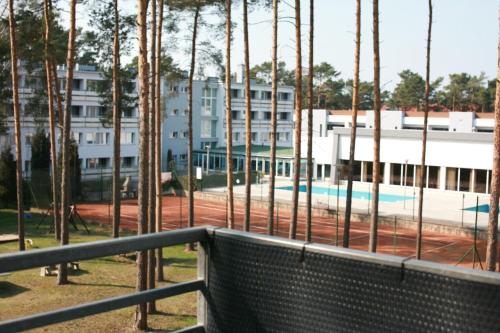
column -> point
(387, 173)
(442, 178)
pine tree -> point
(298, 122)
(354, 122)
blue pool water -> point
(481, 208)
(355, 194)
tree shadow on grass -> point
(8, 289)
(108, 285)
(167, 314)
(180, 262)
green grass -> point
(26, 292)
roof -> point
(432, 114)
(257, 150)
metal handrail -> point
(52, 256)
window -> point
(62, 84)
(104, 162)
(235, 93)
(129, 113)
(127, 162)
(174, 112)
(253, 115)
(209, 102)
(76, 110)
(236, 115)
(78, 137)
(208, 128)
(283, 96)
(283, 136)
(93, 111)
(283, 116)
(433, 176)
(254, 94)
(174, 135)
(91, 163)
(77, 84)
(236, 136)
(92, 85)
(97, 138)
(254, 136)
(451, 179)
(127, 138)
(267, 115)
(174, 88)
(265, 136)
(184, 134)
(183, 157)
(267, 95)
(396, 172)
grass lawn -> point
(26, 292)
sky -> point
(464, 37)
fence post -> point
(202, 268)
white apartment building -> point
(95, 141)
(209, 121)
(459, 148)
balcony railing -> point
(254, 283)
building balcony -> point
(254, 283)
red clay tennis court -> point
(437, 247)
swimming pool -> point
(481, 208)
(355, 194)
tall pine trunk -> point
(372, 246)
(491, 247)
(190, 124)
(59, 100)
(298, 123)
(17, 125)
(140, 321)
(274, 122)
(52, 131)
(151, 164)
(158, 115)
(62, 277)
(310, 123)
(248, 121)
(423, 170)
(354, 124)
(116, 124)
(229, 121)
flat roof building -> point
(459, 148)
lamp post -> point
(207, 147)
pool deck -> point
(445, 207)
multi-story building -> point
(459, 148)
(209, 120)
(95, 141)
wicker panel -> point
(262, 288)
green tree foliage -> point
(7, 178)
(30, 47)
(466, 92)
(40, 150)
(263, 74)
(95, 47)
(128, 101)
(410, 91)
